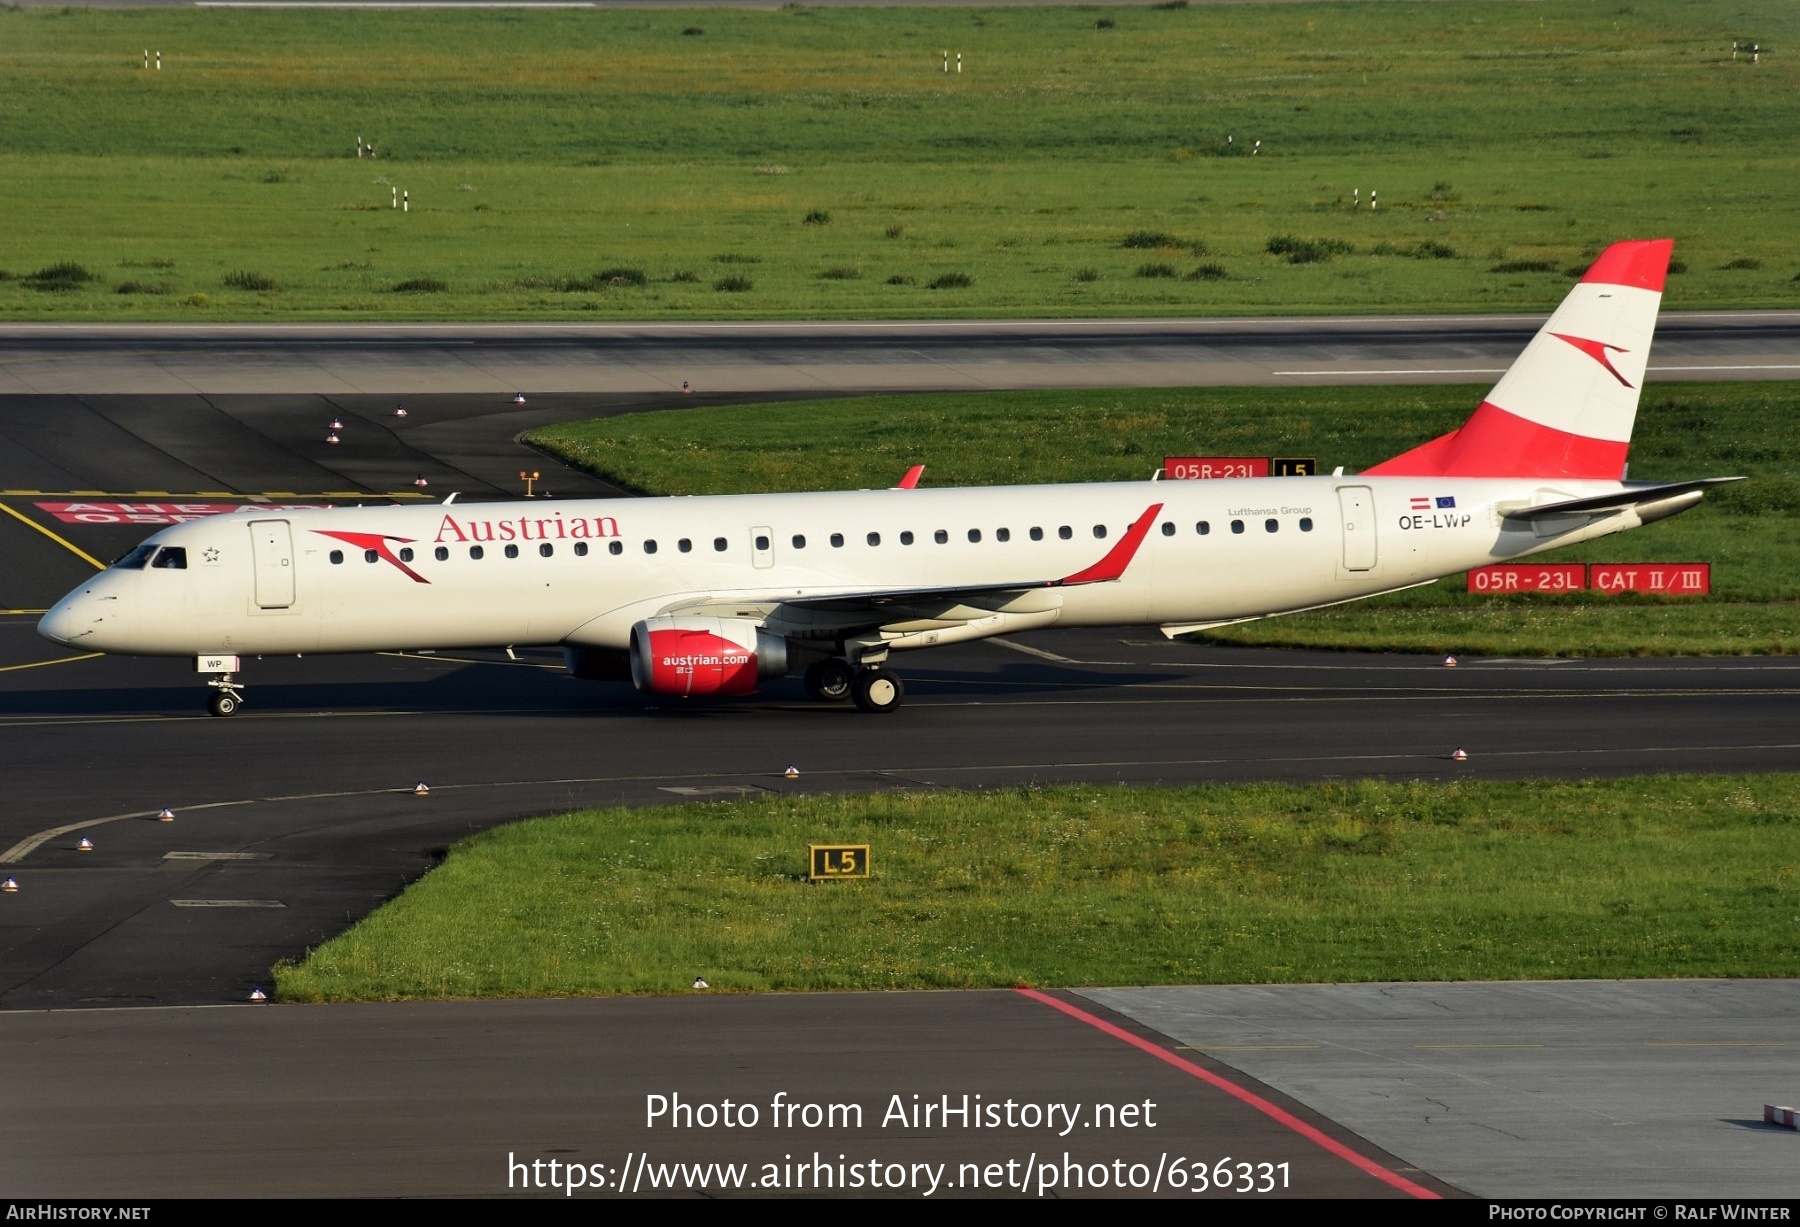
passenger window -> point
(762, 543)
(618, 547)
(1237, 526)
(1168, 528)
(406, 554)
(874, 538)
(906, 538)
(720, 546)
(837, 541)
(940, 536)
(799, 541)
(171, 558)
(685, 546)
(441, 553)
(1065, 532)
(1271, 526)
(372, 556)
(1037, 534)
(650, 546)
(1203, 528)
(512, 551)
(1306, 524)
(1100, 531)
(475, 552)
(337, 558)
(545, 550)
(974, 534)
(135, 560)
(581, 549)
(1003, 534)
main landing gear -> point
(872, 688)
(226, 698)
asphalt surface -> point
(1549, 1089)
(780, 359)
(298, 816)
(441, 1098)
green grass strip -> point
(1263, 883)
(819, 162)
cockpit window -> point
(170, 558)
(135, 560)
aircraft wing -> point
(964, 602)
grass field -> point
(1082, 886)
(1750, 532)
(819, 162)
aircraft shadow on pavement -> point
(505, 690)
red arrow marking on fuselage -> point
(1119, 557)
(1597, 351)
(378, 543)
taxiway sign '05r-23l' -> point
(702, 596)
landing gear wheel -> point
(877, 690)
(223, 703)
(829, 681)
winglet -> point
(911, 480)
(1120, 556)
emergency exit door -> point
(272, 546)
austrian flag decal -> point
(1440, 502)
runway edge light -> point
(1450, 662)
(421, 789)
(257, 995)
(86, 845)
(792, 773)
(165, 815)
(1460, 755)
(10, 886)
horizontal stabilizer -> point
(1639, 494)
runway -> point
(297, 817)
(779, 359)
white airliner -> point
(699, 596)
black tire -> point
(222, 704)
(878, 691)
(829, 681)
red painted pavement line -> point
(1237, 1092)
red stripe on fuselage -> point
(1495, 443)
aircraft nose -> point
(71, 620)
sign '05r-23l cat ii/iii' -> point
(715, 595)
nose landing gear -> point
(226, 698)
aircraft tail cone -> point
(86, 845)
(257, 995)
(10, 886)
(1460, 755)
(165, 815)
(792, 773)
(421, 789)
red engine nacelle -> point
(688, 656)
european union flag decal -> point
(1446, 502)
